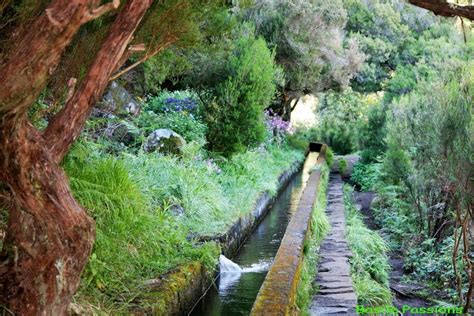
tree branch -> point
(147, 56)
(169, 38)
(101, 10)
(129, 52)
(25, 71)
(67, 124)
(445, 8)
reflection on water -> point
(235, 293)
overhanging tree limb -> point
(445, 8)
(66, 126)
(168, 38)
(25, 72)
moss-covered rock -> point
(165, 141)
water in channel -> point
(235, 293)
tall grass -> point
(149, 210)
(369, 262)
(213, 194)
(135, 240)
(319, 228)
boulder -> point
(122, 132)
(165, 141)
(117, 100)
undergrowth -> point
(212, 193)
(366, 176)
(369, 262)
(319, 228)
(151, 209)
(136, 240)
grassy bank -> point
(150, 209)
(369, 262)
(319, 228)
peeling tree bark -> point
(445, 8)
(49, 235)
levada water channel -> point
(239, 281)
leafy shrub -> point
(366, 176)
(177, 101)
(168, 64)
(372, 134)
(178, 111)
(340, 116)
(432, 262)
(429, 137)
(342, 165)
(329, 156)
(297, 142)
(185, 124)
(395, 216)
(300, 137)
(234, 111)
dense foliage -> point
(234, 109)
(394, 84)
(310, 42)
(151, 210)
(428, 160)
(178, 111)
(409, 116)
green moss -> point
(319, 228)
(163, 299)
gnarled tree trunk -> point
(49, 235)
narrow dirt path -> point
(336, 294)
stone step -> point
(336, 293)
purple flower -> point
(276, 123)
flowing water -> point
(241, 278)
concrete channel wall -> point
(242, 228)
(178, 291)
(278, 292)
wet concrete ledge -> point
(176, 292)
(278, 293)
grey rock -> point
(122, 132)
(117, 100)
(165, 141)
